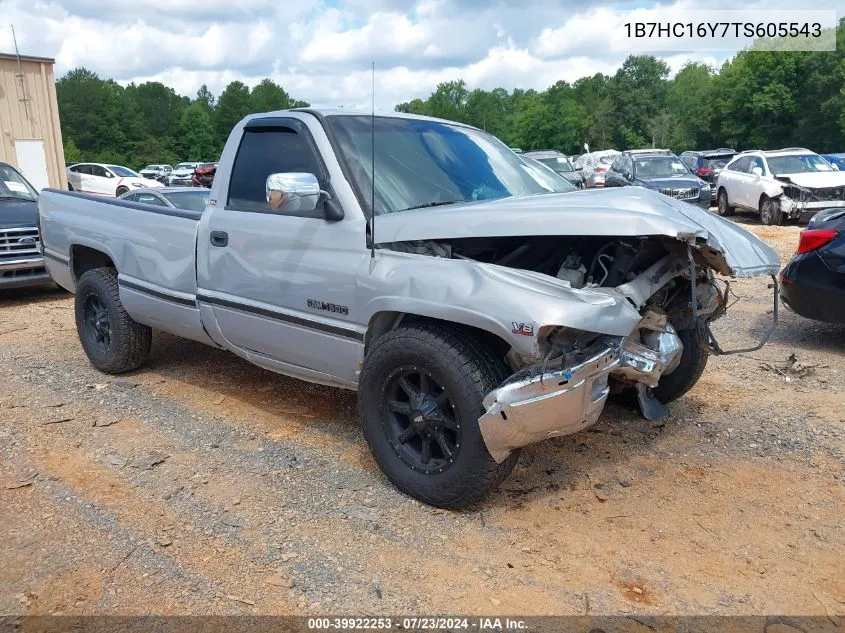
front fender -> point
(512, 304)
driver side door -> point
(281, 284)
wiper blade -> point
(433, 204)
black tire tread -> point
(777, 220)
(693, 363)
(479, 371)
(729, 211)
(137, 338)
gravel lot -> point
(204, 485)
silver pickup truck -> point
(422, 263)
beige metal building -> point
(30, 135)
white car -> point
(182, 174)
(105, 180)
(792, 183)
(594, 166)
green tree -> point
(72, 153)
(638, 94)
(690, 105)
(268, 96)
(232, 106)
(205, 98)
(196, 134)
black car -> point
(560, 163)
(660, 170)
(707, 164)
(813, 282)
(21, 263)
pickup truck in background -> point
(473, 310)
(21, 263)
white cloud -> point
(320, 50)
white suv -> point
(792, 183)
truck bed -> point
(152, 247)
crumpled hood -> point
(614, 212)
(817, 179)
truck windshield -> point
(13, 186)
(423, 163)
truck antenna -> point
(373, 183)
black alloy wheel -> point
(96, 320)
(419, 420)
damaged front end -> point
(567, 390)
(592, 294)
(801, 203)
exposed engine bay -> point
(667, 282)
(652, 272)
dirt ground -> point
(204, 485)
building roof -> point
(27, 58)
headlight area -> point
(562, 394)
(566, 390)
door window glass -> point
(265, 151)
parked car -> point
(190, 198)
(472, 315)
(836, 159)
(708, 164)
(813, 282)
(102, 179)
(792, 183)
(548, 177)
(182, 174)
(560, 163)
(157, 172)
(204, 175)
(594, 165)
(21, 263)
(660, 170)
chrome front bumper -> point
(548, 404)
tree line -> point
(758, 99)
(148, 123)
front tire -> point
(111, 339)
(690, 367)
(722, 207)
(770, 214)
(120, 191)
(419, 397)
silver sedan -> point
(190, 198)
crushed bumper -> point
(548, 404)
(804, 211)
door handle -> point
(219, 238)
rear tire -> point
(450, 374)
(722, 207)
(69, 187)
(111, 339)
(770, 214)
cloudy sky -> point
(321, 50)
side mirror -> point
(297, 192)
(757, 171)
(579, 167)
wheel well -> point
(84, 258)
(763, 197)
(384, 322)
